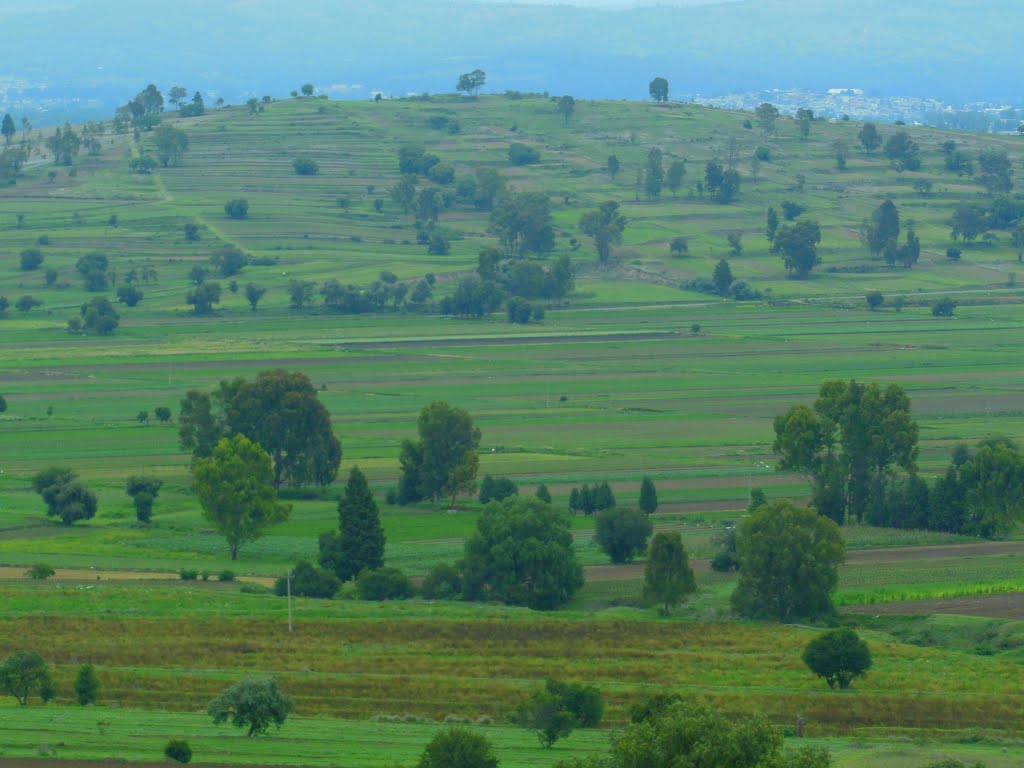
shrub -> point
(179, 751)
(558, 708)
(87, 685)
(875, 299)
(237, 208)
(442, 173)
(623, 533)
(521, 154)
(305, 166)
(725, 559)
(309, 581)
(496, 489)
(763, 154)
(226, 576)
(443, 582)
(383, 584)
(458, 748)
(944, 307)
(839, 656)
(31, 258)
(188, 574)
(953, 254)
(39, 571)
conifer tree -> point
(360, 543)
(648, 496)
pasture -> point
(631, 376)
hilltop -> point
(327, 226)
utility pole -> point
(289, 589)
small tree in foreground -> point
(458, 748)
(556, 709)
(668, 577)
(87, 685)
(255, 704)
(839, 656)
(685, 733)
(23, 674)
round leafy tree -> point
(622, 533)
(255, 704)
(839, 656)
(789, 563)
(458, 748)
(179, 751)
(23, 674)
(521, 554)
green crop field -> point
(631, 375)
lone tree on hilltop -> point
(839, 656)
(566, 106)
(360, 542)
(767, 114)
(471, 82)
(658, 89)
(255, 704)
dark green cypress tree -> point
(543, 493)
(361, 542)
(648, 496)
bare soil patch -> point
(935, 552)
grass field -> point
(616, 383)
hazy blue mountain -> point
(106, 50)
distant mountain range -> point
(86, 58)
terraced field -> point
(632, 375)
